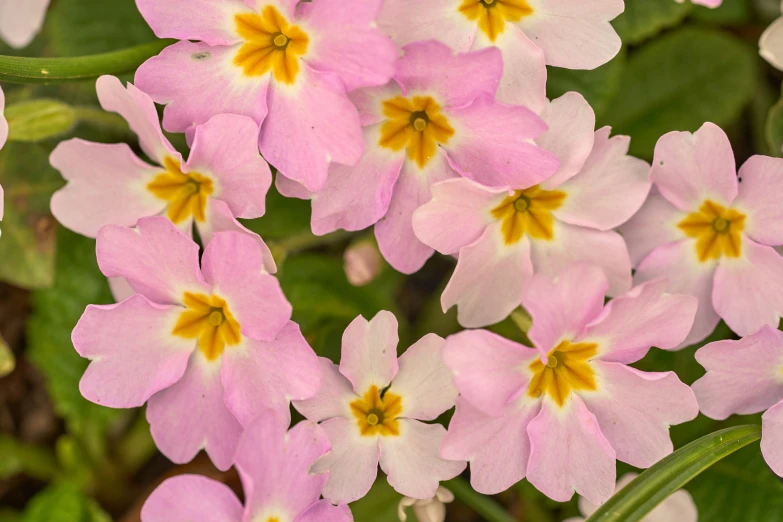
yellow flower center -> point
(415, 124)
(377, 414)
(717, 230)
(208, 319)
(567, 368)
(271, 44)
(492, 15)
(528, 212)
(186, 194)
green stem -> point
(17, 69)
(489, 510)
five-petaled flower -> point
(562, 412)
(208, 348)
(711, 233)
(372, 405)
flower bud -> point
(362, 263)
(429, 510)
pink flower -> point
(362, 263)
(20, 20)
(436, 121)
(108, 184)
(372, 413)
(274, 468)
(530, 33)
(210, 348)
(771, 43)
(504, 236)
(562, 412)
(281, 62)
(745, 377)
(710, 233)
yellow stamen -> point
(415, 124)
(528, 212)
(567, 369)
(717, 230)
(492, 15)
(208, 319)
(376, 415)
(186, 194)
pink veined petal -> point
(610, 188)
(570, 136)
(477, 152)
(324, 511)
(369, 101)
(206, 20)
(3, 121)
(309, 126)
(677, 263)
(772, 437)
(369, 352)
(347, 42)
(489, 370)
(107, 185)
(748, 291)
(569, 453)
(133, 353)
(457, 214)
(408, 21)
(761, 179)
(226, 147)
(197, 81)
(333, 397)
(423, 381)
(137, 108)
(654, 225)
(191, 415)
(262, 375)
(689, 168)
(274, 465)
(497, 448)
(192, 497)
(352, 464)
(454, 79)
(573, 244)
(743, 376)
(644, 317)
(233, 263)
(487, 283)
(355, 198)
(158, 260)
(562, 307)
(771, 44)
(412, 461)
(573, 33)
(20, 21)
(635, 409)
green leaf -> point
(37, 120)
(645, 18)
(680, 81)
(774, 128)
(17, 457)
(489, 510)
(650, 488)
(64, 503)
(730, 12)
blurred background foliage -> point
(65, 459)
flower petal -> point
(369, 352)
(654, 225)
(408, 21)
(772, 437)
(192, 497)
(771, 44)
(3, 121)
(324, 511)
(333, 397)
(761, 183)
(205, 20)
(21, 21)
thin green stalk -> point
(489, 510)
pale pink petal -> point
(610, 188)
(689, 168)
(771, 44)
(324, 511)
(644, 317)
(574, 34)
(197, 81)
(333, 397)
(570, 136)
(3, 121)
(635, 410)
(292, 189)
(133, 352)
(677, 263)
(412, 460)
(20, 21)
(191, 415)
(457, 215)
(497, 448)
(513, 161)
(454, 79)
(194, 498)
(309, 126)
(562, 307)
(772, 437)
(137, 108)
(369, 352)
(424, 381)
(408, 21)
(206, 20)
(573, 244)
(362, 263)
(761, 183)
(287, 7)
(707, 3)
(352, 464)
(120, 288)
(94, 170)
(742, 376)
(654, 225)
(259, 375)
(748, 291)
(489, 370)
(568, 453)
(158, 260)
(487, 283)
(369, 101)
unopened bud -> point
(429, 510)
(362, 263)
